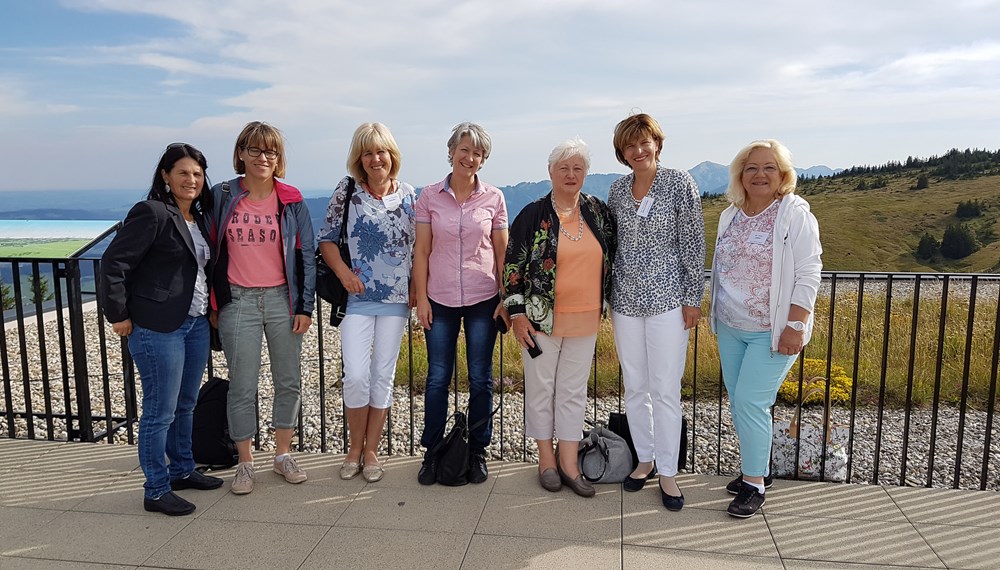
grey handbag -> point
(604, 456)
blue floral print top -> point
(380, 239)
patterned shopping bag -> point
(809, 439)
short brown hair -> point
(635, 128)
(265, 137)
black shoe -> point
(196, 480)
(428, 470)
(632, 485)
(747, 502)
(671, 502)
(736, 484)
(169, 504)
(477, 468)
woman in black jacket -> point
(155, 292)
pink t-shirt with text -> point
(253, 239)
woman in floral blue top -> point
(380, 232)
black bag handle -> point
(468, 428)
(602, 448)
(347, 205)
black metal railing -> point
(922, 351)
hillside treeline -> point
(953, 165)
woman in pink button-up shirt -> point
(457, 259)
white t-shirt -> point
(199, 303)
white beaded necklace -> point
(579, 218)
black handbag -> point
(453, 450)
(618, 423)
(328, 285)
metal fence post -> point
(78, 341)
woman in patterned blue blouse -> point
(381, 229)
(656, 296)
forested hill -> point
(939, 214)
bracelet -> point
(516, 315)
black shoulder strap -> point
(347, 205)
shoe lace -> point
(290, 466)
(244, 473)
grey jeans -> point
(256, 313)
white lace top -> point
(743, 257)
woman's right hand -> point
(424, 313)
(351, 282)
(521, 327)
(122, 328)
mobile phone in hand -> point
(534, 351)
(501, 326)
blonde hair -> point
(737, 194)
(264, 137)
(370, 137)
(633, 129)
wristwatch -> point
(797, 325)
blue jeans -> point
(170, 366)
(480, 335)
(752, 374)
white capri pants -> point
(370, 347)
(652, 352)
(555, 386)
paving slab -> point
(642, 557)
(832, 500)
(702, 530)
(947, 506)
(559, 516)
(8, 563)
(380, 548)
(16, 453)
(510, 552)
(304, 503)
(50, 489)
(17, 523)
(446, 509)
(115, 460)
(218, 544)
(99, 538)
(793, 564)
(125, 496)
(846, 540)
(963, 546)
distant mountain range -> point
(712, 178)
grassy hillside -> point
(878, 230)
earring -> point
(168, 188)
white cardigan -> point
(795, 263)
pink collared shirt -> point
(462, 266)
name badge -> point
(758, 238)
(645, 206)
(392, 201)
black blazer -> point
(150, 268)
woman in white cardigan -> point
(765, 275)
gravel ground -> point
(714, 446)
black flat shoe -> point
(428, 470)
(632, 485)
(670, 502)
(169, 504)
(196, 480)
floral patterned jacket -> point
(529, 273)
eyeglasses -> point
(254, 152)
(175, 145)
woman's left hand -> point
(790, 341)
(691, 316)
(301, 324)
(503, 314)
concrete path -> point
(79, 506)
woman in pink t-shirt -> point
(457, 259)
(263, 286)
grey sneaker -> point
(290, 470)
(243, 482)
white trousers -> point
(555, 386)
(370, 347)
(652, 352)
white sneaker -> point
(243, 482)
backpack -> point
(210, 441)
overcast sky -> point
(92, 90)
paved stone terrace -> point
(79, 506)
